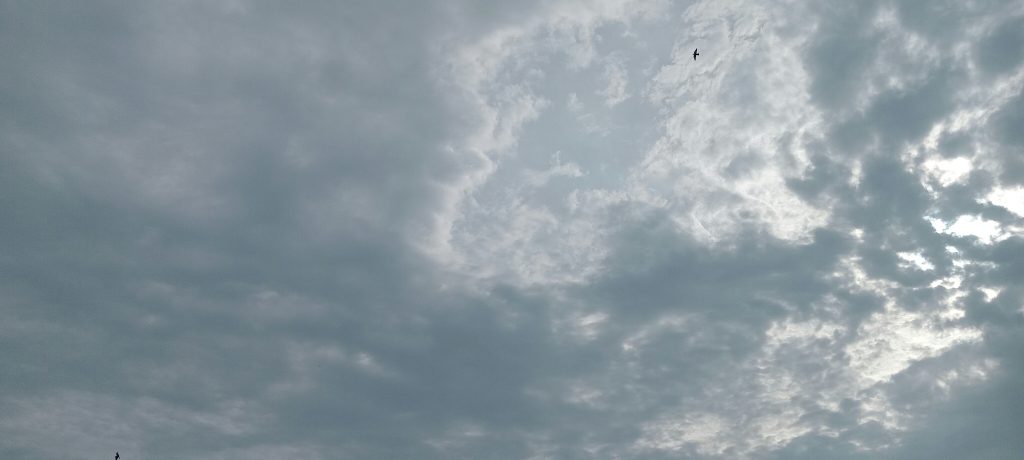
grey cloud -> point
(1007, 121)
(838, 59)
(952, 145)
(943, 22)
(899, 116)
(210, 215)
(976, 421)
(674, 270)
(1002, 50)
(130, 293)
(891, 219)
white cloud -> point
(490, 73)
(1011, 198)
(558, 169)
(707, 432)
(948, 171)
(916, 260)
(615, 92)
(719, 161)
(990, 292)
(893, 339)
(986, 231)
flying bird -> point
(695, 54)
(117, 456)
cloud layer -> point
(542, 230)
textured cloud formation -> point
(537, 231)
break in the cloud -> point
(532, 230)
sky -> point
(512, 230)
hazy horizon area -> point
(512, 230)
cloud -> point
(535, 230)
(1009, 198)
(615, 92)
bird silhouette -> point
(117, 456)
(695, 54)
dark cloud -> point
(839, 58)
(1002, 50)
(1008, 119)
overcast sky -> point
(512, 230)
